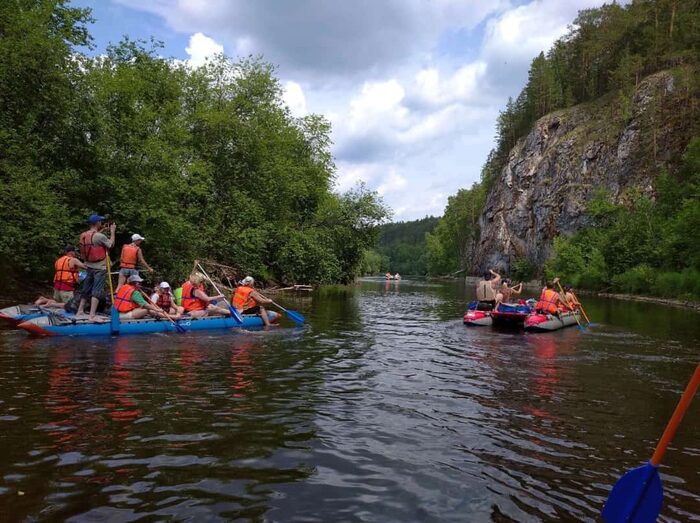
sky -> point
(412, 88)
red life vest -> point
(548, 301)
(189, 302)
(165, 301)
(242, 300)
(88, 250)
(64, 273)
(130, 256)
(122, 300)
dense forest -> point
(635, 243)
(401, 248)
(205, 163)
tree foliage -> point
(402, 246)
(456, 235)
(205, 163)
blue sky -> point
(411, 87)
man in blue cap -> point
(94, 249)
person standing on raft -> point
(196, 302)
(94, 249)
(486, 291)
(249, 301)
(65, 279)
(131, 259)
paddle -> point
(563, 295)
(581, 307)
(114, 323)
(234, 313)
(638, 495)
(179, 328)
(295, 316)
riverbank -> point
(687, 304)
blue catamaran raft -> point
(59, 325)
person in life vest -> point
(550, 300)
(65, 279)
(164, 299)
(196, 302)
(249, 301)
(94, 249)
(131, 259)
(570, 298)
(486, 291)
(130, 302)
(505, 293)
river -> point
(384, 408)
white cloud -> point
(294, 98)
(202, 48)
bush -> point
(522, 270)
(640, 279)
(682, 285)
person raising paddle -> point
(248, 301)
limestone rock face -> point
(568, 156)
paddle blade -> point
(114, 321)
(636, 497)
(295, 316)
(236, 315)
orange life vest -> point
(242, 299)
(548, 301)
(88, 250)
(165, 301)
(64, 273)
(130, 256)
(192, 303)
(122, 300)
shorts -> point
(252, 310)
(128, 272)
(62, 296)
(93, 284)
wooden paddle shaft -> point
(675, 420)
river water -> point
(384, 408)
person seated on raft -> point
(486, 291)
(130, 302)
(505, 293)
(164, 299)
(397, 276)
(196, 302)
(65, 279)
(388, 276)
(550, 300)
(570, 298)
(131, 259)
(249, 301)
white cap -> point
(134, 278)
(136, 237)
(248, 280)
(164, 285)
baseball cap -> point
(94, 218)
(135, 278)
(136, 237)
(69, 248)
(164, 285)
(247, 280)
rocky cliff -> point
(550, 176)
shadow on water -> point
(383, 408)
